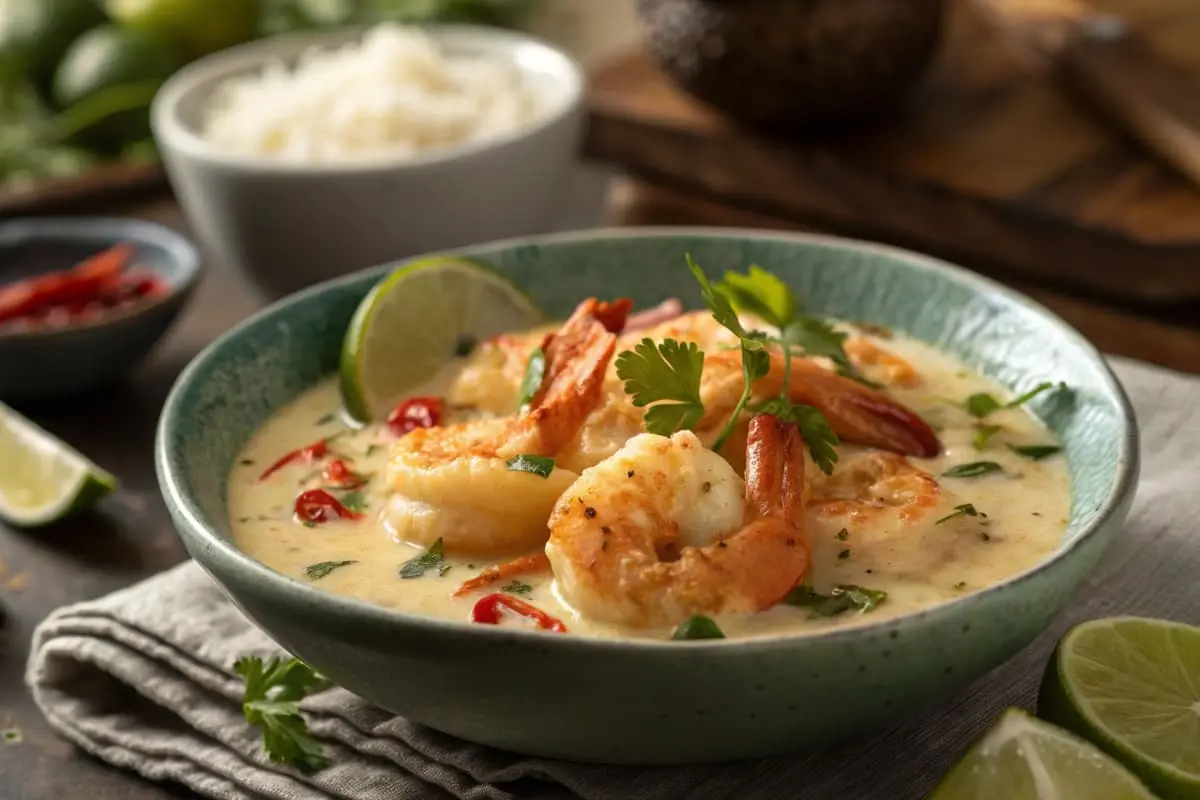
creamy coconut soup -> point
(521, 487)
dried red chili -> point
(488, 612)
(416, 412)
(339, 474)
(93, 286)
(308, 454)
(318, 506)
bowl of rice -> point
(302, 157)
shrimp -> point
(890, 367)
(454, 483)
(867, 485)
(665, 528)
(855, 412)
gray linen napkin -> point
(141, 678)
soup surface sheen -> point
(1021, 513)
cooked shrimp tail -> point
(856, 413)
(524, 565)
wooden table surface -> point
(134, 538)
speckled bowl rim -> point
(173, 133)
(341, 610)
(140, 231)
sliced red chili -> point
(416, 412)
(488, 612)
(309, 454)
(339, 474)
(318, 506)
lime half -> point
(416, 320)
(1024, 758)
(42, 479)
(1132, 686)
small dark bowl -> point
(794, 65)
(50, 362)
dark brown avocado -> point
(794, 65)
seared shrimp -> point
(855, 412)
(665, 528)
(866, 486)
(454, 483)
(882, 364)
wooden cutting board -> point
(988, 164)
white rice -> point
(394, 94)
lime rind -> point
(42, 479)
(1132, 686)
(410, 324)
(1023, 758)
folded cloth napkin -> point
(141, 678)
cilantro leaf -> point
(814, 427)
(323, 568)
(841, 599)
(964, 510)
(697, 627)
(669, 371)
(762, 294)
(541, 466)
(270, 702)
(717, 302)
(972, 470)
(1035, 452)
(983, 434)
(433, 558)
(818, 338)
(982, 404)
(535, 371)
(755, 366)
(516, 587)
(353, 501)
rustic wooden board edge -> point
(821, 188)
(90, 188)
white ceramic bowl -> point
(286, 226)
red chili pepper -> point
(309, 454)
(93, 285)
(318, 505)
(339, 475)
(416, 412)
(487, 611)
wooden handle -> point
(1101, 60)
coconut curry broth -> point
(1015, 519)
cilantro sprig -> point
(271, 702)
(667, 374)
(761, 293)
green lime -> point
(34, 34)
(1132, 686)
(416, 320)
(104, 62)
(42, 479)
(195, 27)
(1024, 758)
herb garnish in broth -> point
(516, 587)
(697, 627)
(983, 403)
(323, 568)
(1035, 452)
(973, 470)
(434, 558)
(964, 510)
(841, 599)
(535, 372)
(541, 466)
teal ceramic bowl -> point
(651, 702)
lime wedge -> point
(1132, 686)
(1024, 758)
(416, 320)
(42, 479)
